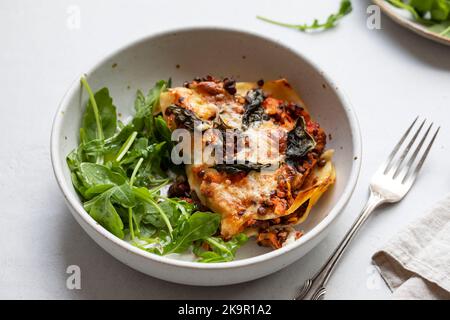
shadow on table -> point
(104, 277)
(425, 50)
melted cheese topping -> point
(239, 198)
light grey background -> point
(390, 75)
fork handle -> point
(314, 289)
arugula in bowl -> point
(120, 171)
(434, 14)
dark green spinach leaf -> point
(299, 142)
(234, 168)
(253, 109)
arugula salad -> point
(120, 171)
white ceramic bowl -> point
(182, 55)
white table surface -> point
(390, 75)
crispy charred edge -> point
(282, 112)
(213, 86)
(273, 233)
(183, 117)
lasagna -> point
(273, 166)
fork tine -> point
(414, 171)
(397, 147)
(406, 151)
(407, 168)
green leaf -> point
(107, 114)
(150, 173)
(199, 226)
(92, 148)
(102, 210)
(143, 120)
(163, 129)
(222, 251)
(113, 144)
(74, 159)
(95, 174)
(90, 192)
(77, 183)
(441, 28)
(146, 231)
(138, 150)
(145, 195)
(344, 9)
(440, 10)
(299, 141)
(124, 196)
(152, 214)
(422, 6)
(183, 206)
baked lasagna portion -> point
(273, 167)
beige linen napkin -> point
(416, 262)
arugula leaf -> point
(102, 210)
(152, 214)
(145, 106)
(126, 146)
(222, 251)
(163, 130)
(151, 173)
(99, 118)
(145, 195)
(440, 10)
(185, 207)
(124, 196)
(151, 226)
(441, 28)
(95, 174)
(344, 9)
(200, 225)
(113, 144)
(138, 150)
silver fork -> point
(391, 183)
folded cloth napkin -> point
(416, 262)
